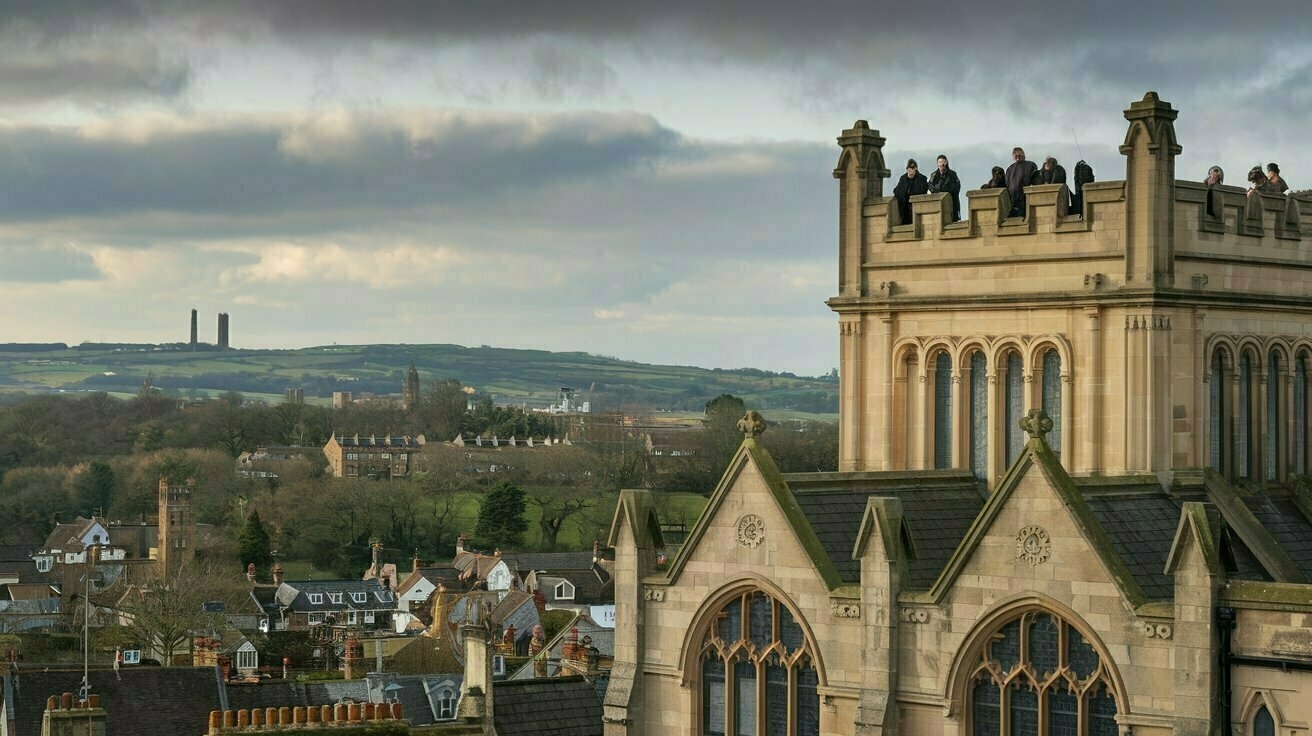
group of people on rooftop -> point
(1020, 174)
(1271, 182)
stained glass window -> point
(1038, 676)
(758, 672)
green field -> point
(528, 377)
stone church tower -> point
(1073, 493)
(177, 526)
(410, 389)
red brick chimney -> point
(277, 573)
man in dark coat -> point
(945, 180)
(1019, 175)
(912, 183)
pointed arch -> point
(751, 654)
(1260, 712)
(1063, 669)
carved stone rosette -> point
(751, 530)
(1033, 545)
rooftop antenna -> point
(1077, 144)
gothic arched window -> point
(1275, 417)
(1300, 412)
(1244, 437)
(1013, 404)
(943, 411)
(1052, 397)
(979, 415)
(1263, 723)
(1037, 675)
(758, 671)
(1219, 418)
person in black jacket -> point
(945, 180)
(912, 183)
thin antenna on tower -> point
(1077, 144)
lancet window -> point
(758, 671)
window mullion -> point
(761, 706)
(730, 696)
(794, 714)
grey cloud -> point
(39, 264)
(103, 74)
(348, 161)
(558, 73)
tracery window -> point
(758, 671)
(1038, 676)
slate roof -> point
(296, 595)
(1287, 526)
(1141, 529)
(939, 509)
(552, 562)
(554, 706)
(142, 701)
(292, 694)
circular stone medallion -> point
(751, 530)
(1033, 545)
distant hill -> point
(530, 377)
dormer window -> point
(383, 596)
(316, 599)
(359, 597)
(335, 597)
(44, 563)
(564, 591)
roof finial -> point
(1036, 424)
(751, 425)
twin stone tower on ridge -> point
(1156, 335)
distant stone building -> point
(380, 458)
(410, 389)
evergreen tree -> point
(501, 521)
(253, 542)
(95, 488)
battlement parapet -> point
(1147, 233)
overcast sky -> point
(650, 181)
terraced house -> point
(1072, 490)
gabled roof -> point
(750, 453)
(553, 706)
(142, 701)
(938, 506)
(448, 577)
(1038, 457)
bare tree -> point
(165, 612)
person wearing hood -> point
(912, 183)
(998, 179)
(1258, 182)
(1053, 173)
(945, 179)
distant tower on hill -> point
(177, 526)
(410, 389)
(193, 329)
(223, 330)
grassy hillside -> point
(529, 377)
